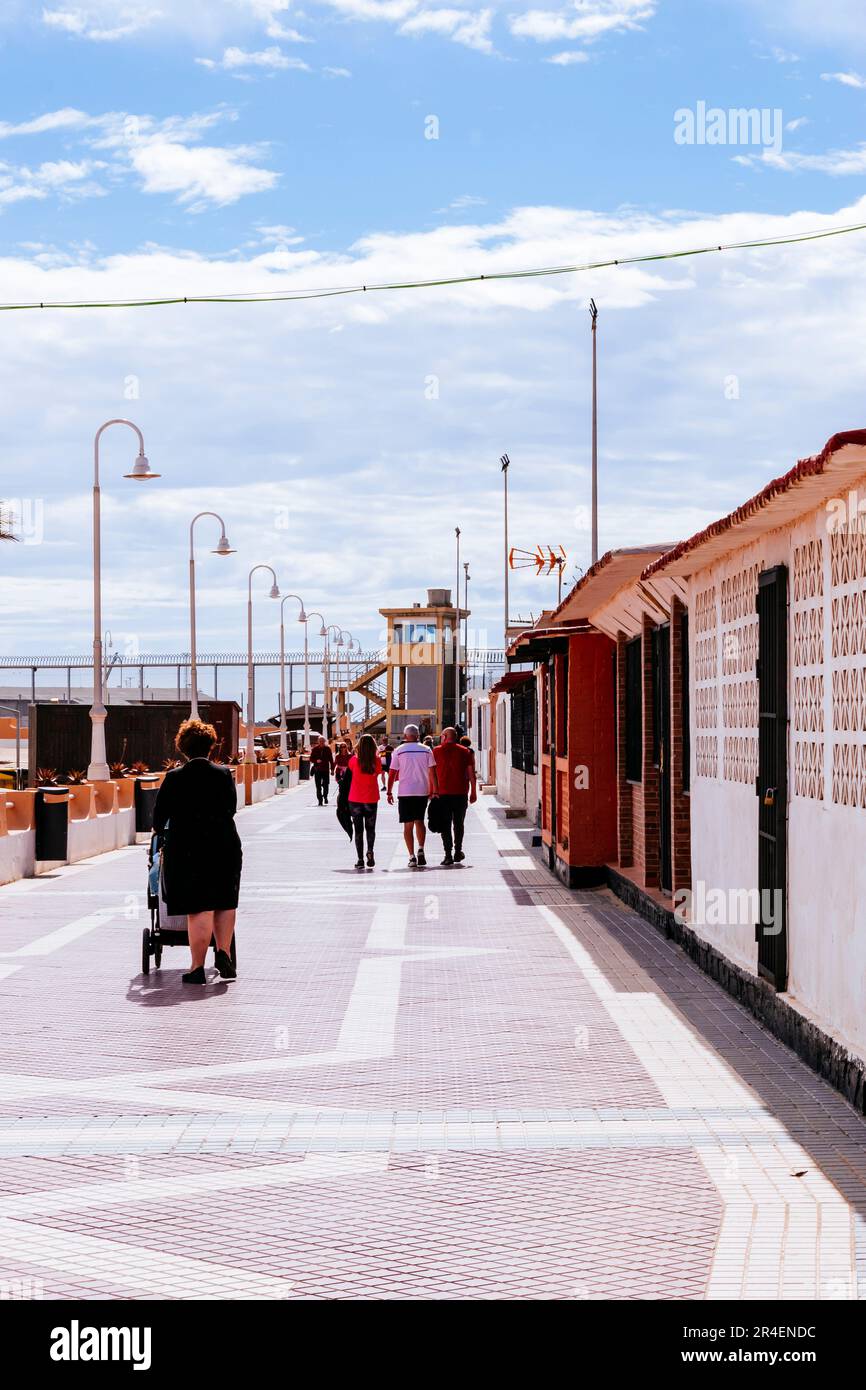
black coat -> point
(202, 851)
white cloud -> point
(847, 79)
(166, 154)
(67, 178)
(582, 21)
(199, 174)
(82, 22)
(235, 58)
(568, 58)
(336, 72)
(463, 26)
(797, 123)
(838, 163)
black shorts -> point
(411, 808)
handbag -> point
(435, 816)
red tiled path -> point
(462, 1083)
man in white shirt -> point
(414, 768)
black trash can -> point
(52, 823)
(304, 769)
(146, 788)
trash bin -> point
(304, 768)
(52, 823)
(146, 788)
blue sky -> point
(246, 145)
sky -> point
(247, 146)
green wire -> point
(287, 296)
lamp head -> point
(275, 592)
(223, 548)
(302, 617)
(323, 631)
(141, 470)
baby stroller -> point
(163, 930)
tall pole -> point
(98, 770)
(593, 311)
(251, 714)
(466, 611)
(322, 633)
(457, 635)
(284, 743)
(505, 462)
(223, 548)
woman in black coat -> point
(202, 851)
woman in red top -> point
(365, 768)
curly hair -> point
(195, 739)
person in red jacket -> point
(455, 772)
(322, 764)
(365, 769)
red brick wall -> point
(625, 791)
(647, 821)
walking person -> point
(385, 755)
(365, 769)
(322, 764)
(202, 853)
(341, 760)
(414, 769)
(455, 771)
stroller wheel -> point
(157, 954)
(145, 951)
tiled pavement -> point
(464, 1083)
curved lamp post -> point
(251, 718)
(302, 618)
(352, 646)
(323, 632)
(223, 548)
(338, 642)
(97, 770)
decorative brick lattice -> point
(707, 755)
(849, 624)
(740, 759)
(809, 769)
(807, 686)
(706, 707)
(847, 556)
(739, 641)
(808, 636)
(808, 712)
(808, 571)
(849, 774)
(847, 652)
(705, 610)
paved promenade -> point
(452, 1083)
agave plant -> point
(139, 768)
(169, 763)
(117, 769)
(46, 776)
(76, 776)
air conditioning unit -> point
(438, 598)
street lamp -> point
(223, 548)
(97, 770)
(302, 618)
(338, 642)
(251, 718)
(323, 632)
(349, 650)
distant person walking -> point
(322, 763)
(455, 771)
(202, 854)
(414, 769)
(365, 768)
(341, 760)
(385, 754)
